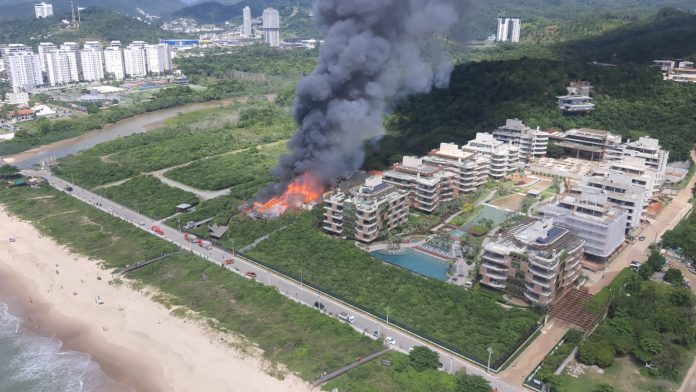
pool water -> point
(417, 262)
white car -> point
(390, 340)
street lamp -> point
(387, 316)
(488, 367)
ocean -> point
(34, 363)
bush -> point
(596, 353)
(674, 276)
(467, 383)
(423, 358)
(604, 388)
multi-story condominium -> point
(471, 169)
(135, 59)
(648, 149)
(246, 25)
(580, 87)
(92, 60)
(575, 104)
(428, 186)
(534, 260)
(637, 170)
(592, 218)
(44, 48)
(22, 66)
(503, 158)
(532, 143)
(114, 66)
(620, 191)
(677, 70)
(591, 144)
(159, 59)
(74, 47)
(366, 212)
(62, 67)
(271, 26)
(43, 10)
(508, 29)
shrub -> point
(596, 353)
(423, 358)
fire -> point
(303, 190)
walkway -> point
(348, 368)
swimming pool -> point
(417, 262)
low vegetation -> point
(554, 360)
(186, 138)
(149, 196)
(683, 237)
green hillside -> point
(97, 24)
(23, 9)
(632, 99)
(216, 12)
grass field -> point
(624, 375)
(293, 336)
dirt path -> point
(525, 363)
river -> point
(129, 126)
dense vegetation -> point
(215, 12)
(45, 131)
(149, 196)
(655, 324)
(461, 318)
(186, 138)
(683, 236)
(286, 331)
(554, 360)
(258, 61)
(97, 24)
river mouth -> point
(130, 126)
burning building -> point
(373, 54)
(303, 193)
(365, 212)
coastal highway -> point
(297, 291)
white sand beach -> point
(134, 339)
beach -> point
(135, 340)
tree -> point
(674, 276)
(8, 171)
(467, 383)
(423, 358)
(553, 150)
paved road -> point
(364, 323)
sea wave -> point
(29, 362)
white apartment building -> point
(592, 218)
(246, 24)
(366, 212)
(43, 10)
(271, 27)
(620, 191)
(135, 59)
(471, 169)
(62, 67)
(92, 60)
(534, 260)
(429, 186)
(503, 158)
(532, 143)
(159, 59)
(509, 29)
(74, 47)
(20, 99)
(44, 48)
(649, 149)
(23, 68)
(114, 66)
(590, 144)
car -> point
(318, 305)
(641, 238)
(635, 265)
(375, 334)
(141, 223)
(68, 188)
(390, 340)
(251, 275)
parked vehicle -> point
(205, 244)
(346, 317)
(635, 265)
(641, 238)
(229, 262)
(251, 275)
(190, 237)
(157, 229)
(390, 340)
(68, 188)
(318, 305)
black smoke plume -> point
(374, 52)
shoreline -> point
(135, 341)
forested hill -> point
(632, 99)
(24, 9)
(97, 24)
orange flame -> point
(302, 190)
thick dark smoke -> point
(374, 52)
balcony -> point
(544, 274)
(496, 284)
